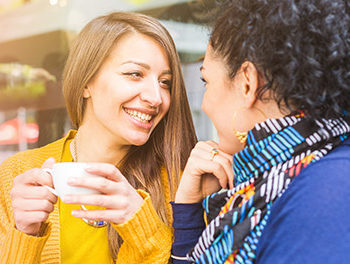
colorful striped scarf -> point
(275, 152)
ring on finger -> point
(213, 153)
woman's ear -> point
(86, 93)
(250, 82)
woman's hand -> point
(204, 173)
(117, 196)
(31, 201)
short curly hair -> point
(301, 47)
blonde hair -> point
(171, 141)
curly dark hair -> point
(301, 47)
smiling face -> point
(130, 93)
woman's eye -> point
(165, 84)
(134, 75)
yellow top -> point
(80, 242)
(146, 238)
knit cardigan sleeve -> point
(16, 246)
(146, 238)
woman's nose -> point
(152, 93)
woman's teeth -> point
(145, 118)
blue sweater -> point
(309, 223)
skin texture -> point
(135, 76)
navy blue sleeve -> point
(188, 226)
(310, 222)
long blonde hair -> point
(171, 141)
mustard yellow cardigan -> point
(146, 238)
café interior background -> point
(34, 43)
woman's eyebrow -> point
(144, 65)
(167, 72)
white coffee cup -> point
(62, 171)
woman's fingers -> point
(118, 208)
(221, 157)
(220, 166)
(106, 170)
(28, 218)
(31, 200)
(218, 170)
(31, 185)
(115, 216)
(227, 165)
(34, 177)
(32, 205)
(101, 184)
(116, 195)
(48, 163)
(35, 193)
(115, 201)
(206, 170)
(205, 166)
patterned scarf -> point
(275, 152)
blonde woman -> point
(125, 93)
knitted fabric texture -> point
(146, 238)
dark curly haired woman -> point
(277, 78)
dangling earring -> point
(241, 136)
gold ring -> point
(214, 152)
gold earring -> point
(241, 136)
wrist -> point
(188, 192)
(182, 198)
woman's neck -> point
(92, 146)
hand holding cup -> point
(63, 172)
(32, 202)
(113, 192)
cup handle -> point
(48, 170)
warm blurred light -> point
(53, 2)
(10, 132)
(138, 2)
(63, 3)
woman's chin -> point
(138, 141)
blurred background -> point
(35, 36)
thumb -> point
(48, 163)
